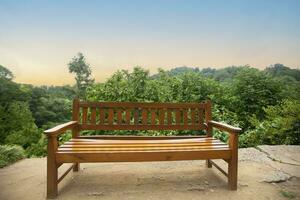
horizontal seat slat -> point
(132, 150)
(68, 145)
(118, 148)
(100, 143)
(135, 156)
(138, 151)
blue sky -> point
(40, 37)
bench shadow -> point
(93, 181)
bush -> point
(19, 127)
(38, 149)
(251, 92)
(10, 154)
(281, 126)
(222, 114)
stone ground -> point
(265, 172)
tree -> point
(228, 73)
(279, 70)
(281, 126)
(251, 92)
(6, 73)
(122, 86)
(50, 105)
(83, 73)
(18, 125)
(11, 91)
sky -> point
(39, 38)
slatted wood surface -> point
(108, 150)
(141, 116)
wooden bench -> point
(139, 116)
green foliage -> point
(11, 92)
(264, 103)
(65, 137)
(196, 88)
(226, 74)
(83, 73)
(251, 92)
(24, 107)
(19, 125)
(51, 105)
(38, 149)
(161, 88)
(139, 86)
(220, 75)
(247, 96)
(10, 154)
(290, 87)
(6, 73)
(122, 86)
(222, 114)
(281, 126)
(288, 194)
(279, 70)
(179, 70)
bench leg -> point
(76, 167)
(208, 163)
(233, 162)
(52, 168)
(232, 174)
(51, 180)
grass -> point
(287, 194)
(10, 154)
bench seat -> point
(114, 150)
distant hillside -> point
(281, 70)
(227, 73)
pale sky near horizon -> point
(39, 38)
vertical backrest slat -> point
(193, 116)
(145, 116)
(161, 116)
(93, 115)
(208, 117)
(178, 116)
(84, 115)
(185, 116)
(127, 116)
(110, 116)
(102, 115)
(136, 116)
(75, 113)
(201, 116)
(169, 115)
(119, 116)
(75, 116)
(153, 116)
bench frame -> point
(79, 123)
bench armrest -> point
(225, 127)
(233, 134)
(57, 130)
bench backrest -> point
(141, 116)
